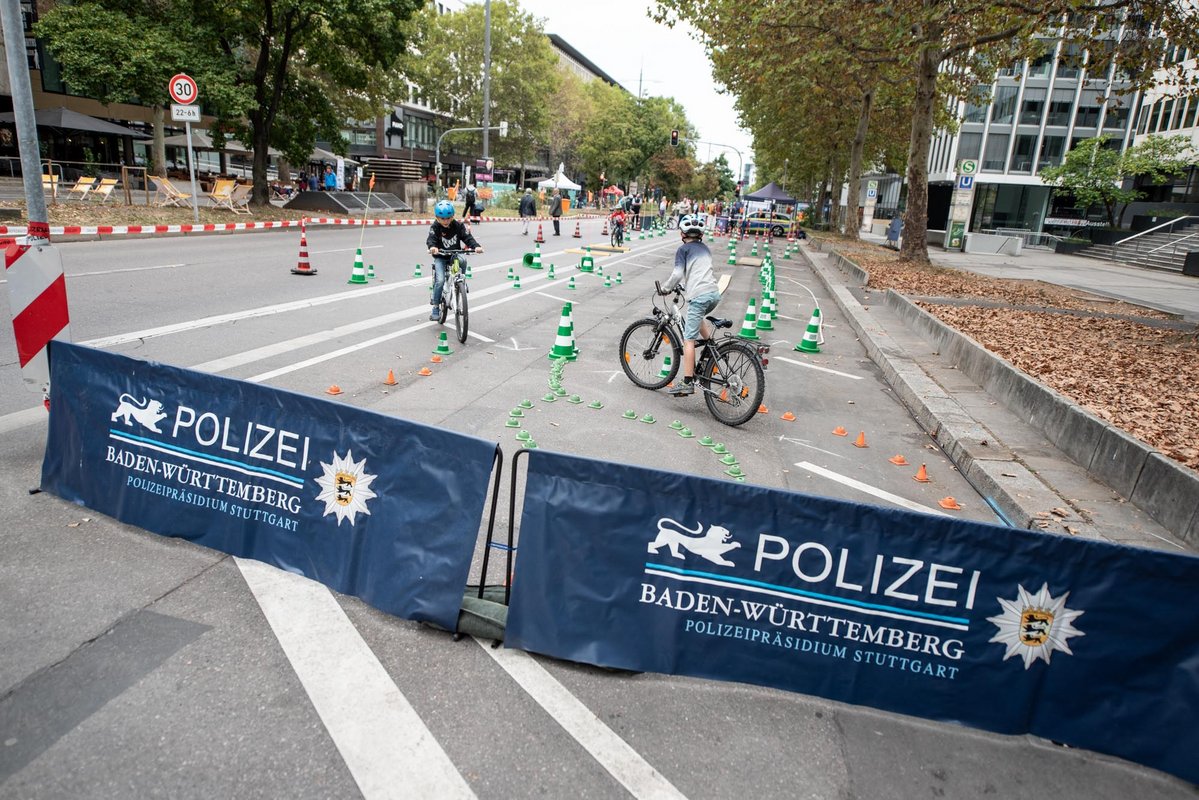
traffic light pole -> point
(740, 160)
(502, 128)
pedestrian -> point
(468, 203)
(330, 179)
(662, 205)
(556, 211)
(636, 212)
(692, 271)
(528, 209)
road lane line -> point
(552, 297)
(813, 366)
(123, 269)
(387, 748)
(345, 249)
(481, 337)
(613, 753)
(873, 491)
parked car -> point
(776, 225)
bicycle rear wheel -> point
(734, 384)
(643, 353)
(461, 315)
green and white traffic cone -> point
(748, 330)
(358, 276)
(665, 371)
(551, 276)
(511, 273)
(811, 338)
(536, 257)
(443, 347)
(732, 262)
(587, 262)
(619, 279)
(564, 342)
(370, 272)
(766, 316)
(516, 282)
(607, 282)
(469, 272)
(571, 285)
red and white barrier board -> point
(37, 298)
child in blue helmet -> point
(446, 233)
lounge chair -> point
(50, 184)
(239, 199)
(104, 190)
(167, 194)
(221, 190)
(81, 188)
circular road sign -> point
(183, 89)
(968, 167)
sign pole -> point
(191, 173)
(183, 90)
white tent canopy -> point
(559, 181)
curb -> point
(1164, 489)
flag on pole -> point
(371, 185)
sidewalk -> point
(1031, 482)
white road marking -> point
(387, 748)
(553, 297)
(813, 366)
(873, 491)
(19, 419)
(614, 754)
(123, 269)
(806, 443)
(480, 336)
(345, 250)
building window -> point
(996, 152)
(1059, 107)
(1042, 65)
(1189, 119)
(1003, 109)
(970, 145)
(1116, 119)
(1163, 120)
(1090, 106)
(975, 112)
(1033, 106)
(1053, 150)
(1026, 145)
(1143, 122)
(1067, 65)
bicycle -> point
(730, 372)
(617, 234)
(453, 293)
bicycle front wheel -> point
(734, 384)
(461, 315)
(649, 356)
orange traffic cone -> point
(861, 440)
(540, 237)
(899, 461)
(921, 475)
(425, 372)
(334, 389)
(436, 359)
(302, 265)
(762, 409)
(788, 416)
(577, 234)
(950, 504)
(390, 380)
(839, 431)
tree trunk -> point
(159, 153)
(284, 172)
(915, 221)
(856, 151)
(261, 194)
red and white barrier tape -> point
(128, 230)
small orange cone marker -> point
(921, 475)
(899, 461)
(762, 409)
(425, 372)
(436, 359)
(950, 504)
(390, 380)
(334, 389)
(839, 431)
(788, 416)
(861, 440)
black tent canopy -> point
(64, 119)
(771, 191)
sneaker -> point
(433, 315)
(681, 389)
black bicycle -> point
(730, 372)
(617, 234)
(453, 293)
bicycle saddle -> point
(721, 323)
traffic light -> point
(674, 138)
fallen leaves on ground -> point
(1139, 377)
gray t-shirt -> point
(693, 269)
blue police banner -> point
(370, 505)
(1083, 642)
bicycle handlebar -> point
(658, 289)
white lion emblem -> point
(712, 545)
(148, 412)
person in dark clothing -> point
(469, 199)
(528, 209)
(449, 234)
(556, 211)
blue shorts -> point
(697, 308)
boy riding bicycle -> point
(693, 271)
(617, 219)
(446, 233)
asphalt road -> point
(136, 665)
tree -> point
(573, 109)
(1095, 173)
(282, 72)
(524, 72)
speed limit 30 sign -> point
(183, 89)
